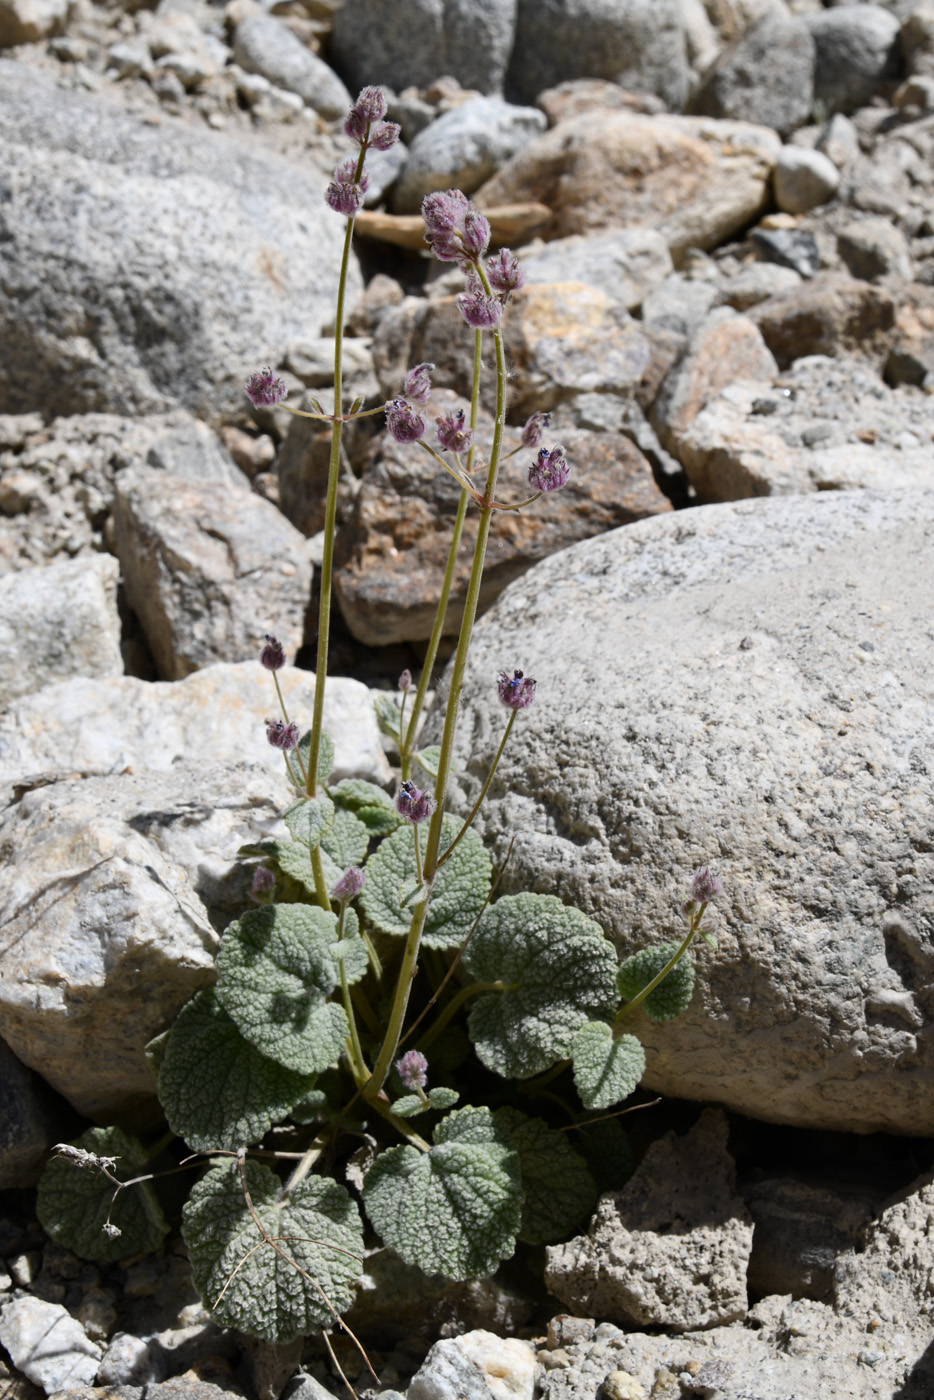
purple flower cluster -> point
(263, 887)
(549, 471)
(533, 429)
(404, 422)
(517, 692)
(364, 122)
(281, 735)
(706, 886)
(349, 885)
(412, 1069)
(479, 310)
(417, 385)
(264, 389)
(412, 804)
(345, 192)
(456, 231)
(452, 435)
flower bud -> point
(549, 471)
(272, 655)
(504, 272)
(349, 885)
(345, 192)
(412, 804)
(412, 1069)
(533, 429)
(281, 735)
(516, 692)
(263, 887)
(369, 107)
(405, 681)
(706, 886)
(452, 435)
(417, 386)
(403, 422)
(264, 390)
(385, 136)
(477, 309)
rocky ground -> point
(725, 212)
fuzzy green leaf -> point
(559, 972)
(74, 1202)
(557, 1188)
(460, 888)
(442, 1098)
(670, 997)
(256, 1289)
(429, 759)
(351, 950)
(309, 819)
(606, 1071)
(369, 803)
(276, 969)
(347, 841)
(217, 1090)
(310, 1108)
(410, 1105)
(325, 760)
(388, 715)
(454, 1210)
(155, 1050)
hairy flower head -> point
(412, 804)
(281, 735)
(516, 692)
(453, 436)
(264, 389)
(403, 422)
(549, 471)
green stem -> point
(483, 792)
(672, 963)
(454, 1005)
(400, 1003)
(321, 884)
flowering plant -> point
(376, 951)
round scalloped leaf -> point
(347, 841)
(309, 819)
(369, 803)
(388, 715)
(442, 1098)
(74, 1202)
(275, 970)
(410, 1106)
(670, 997)
(557, 1188)
(429, 760)
(559, 971)
(606, 1071)
(325, 760)
(454, 1210)
(217, 1090)
(459, 892)
(264, 1294)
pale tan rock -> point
(725, 347)
(208, 570)
(696, 180)
(29, 21)
(830, 314)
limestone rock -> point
(391, 555)
(637, 45)
(831, 314)
(624, 264)
(741, 684)
(208, 571)
(413, 42)
(213, 716)
(463, 148)
(803, 179)
(696, 180)
(47, 1344)
(669, 1250)
(30, 21)
(857, 53)
(746, 84)
(266, 46)
(801, 1229)
(126, 324)
(56, 622)
(476, 1366)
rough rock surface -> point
(124, 324)
(415, 41)
(624, 264)
(745, 685)
(746, 84)
(696, 180)
(47, 1344)
(463, 148)
(669, 1250)
(831, 314)
(391, 554)
(56, 622)
(213, 716)
(264, 45)
(478, 1366)
(208, 571)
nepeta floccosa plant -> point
(378, 990)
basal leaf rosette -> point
(458, 894)
(276, 969)
(217, 1090)
(559, 972)
(249, 1284)
(454, 1210)
(606, 1071)
(74, 1202)
(557, 1188)
(671, 996)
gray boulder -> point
(266, 46)
(744, 685)
(858, 52)
(56, 622)
(192, 257)
(803, 179)
(208, 571)
(639, 44)
(464, 147)
(626, 264)
(748, 84)
(412, 42)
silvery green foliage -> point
(460, 888)
(309, 819)
(410, 1105)
(671, 996)
(557, 1187)
(369, 803)
(303, 749)
(428, 760)
(456, 1209)
(217, 1090)
(606, 1071)
(75, 1203)
(557, 970)
(276, 970)
(275, 1292)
